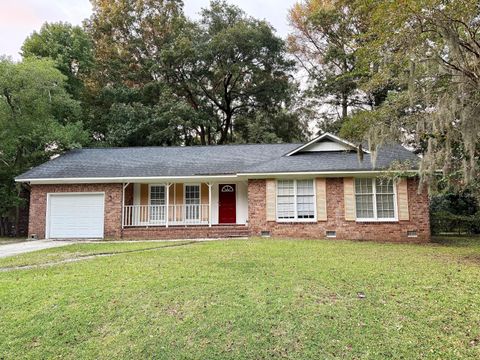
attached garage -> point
(75, 215)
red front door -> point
(227, 204)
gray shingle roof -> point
(205, 160)
(335, 161)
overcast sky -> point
(19, 18)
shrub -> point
(446, 222)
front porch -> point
(182, 204)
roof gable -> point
(325, 143)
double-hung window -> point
(375, 199)
(157, 203)
(295, 200)
(192, 202)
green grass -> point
(250, 299)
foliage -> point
(204, 75)
(38, 119)
(230, 65)
(429, 50)
(458, 204)
(128, 37)
(325, 42)
(69, 46)
(444, 222)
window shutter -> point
(271, 200)
(349, 198)
(321, 195)
(402, 199)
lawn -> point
(243, 299)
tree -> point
(129, 36)
(325, 41)
(38, 119)
(205, 75)
(70, 48)
(230, 66)
(432, 48)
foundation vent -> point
(331, 234)
(265, 233)
(412, 233)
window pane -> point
(157, 195)
(385, 199)
(364, 206)
(364, 198)
(286, 207)
(305, 199)
(285, 187)
(363, 186)
(384, 186)
(192, 194)
(305, 187)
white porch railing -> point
(165, 215)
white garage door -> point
(76, 215)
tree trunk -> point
(224, 130)
(209, 135)
(202, 135)
(344, 106)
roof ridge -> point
(179, 146)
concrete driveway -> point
(29, 246)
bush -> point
(446, 222)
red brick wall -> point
(378, 231)
(113, 205)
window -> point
(157, 199)
(295, 200)
(192, 202)
(375, 199)
(157, 195)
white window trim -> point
(199, 192)
(375, 217)
(296, 219)
(150, 221)
(150, 193)
(185, 201)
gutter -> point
(193, 178)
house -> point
(314, 190)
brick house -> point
(315, 190)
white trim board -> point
(195, 179)
(323, 137)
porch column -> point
(167, 197)
(209, 204)
(124, 186)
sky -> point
(19, 18)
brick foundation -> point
(377, 231)
(183, 232)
